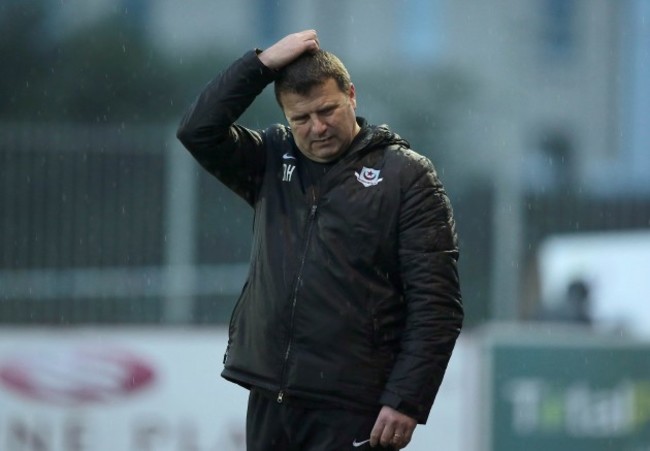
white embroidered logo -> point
(368, 176)
(288, 156)
(358, 444)
(287, 172)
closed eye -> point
(327, 111)
(299, 120)
(304, 118)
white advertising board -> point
(108, 390)
(138, 389)
(614, 265)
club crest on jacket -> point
(368, 176)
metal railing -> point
(117, 224)
(97, 225)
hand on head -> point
(289, 48)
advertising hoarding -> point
(126, 389)
(139, 389)
(552, 390)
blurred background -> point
(535, 113)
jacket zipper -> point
(310, 225)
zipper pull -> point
(280, 396)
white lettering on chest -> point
(287, 172)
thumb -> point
(376, 432)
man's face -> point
(323, 122)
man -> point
(352, 305)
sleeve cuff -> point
(266, 71)
(415, 411)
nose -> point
(318, 126)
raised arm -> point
(229, 151)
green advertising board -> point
(568, 392)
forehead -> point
(321, 95)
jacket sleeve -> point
(428, 253)
(232, 153)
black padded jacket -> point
(352, 296)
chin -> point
(329, 156)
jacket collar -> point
(371, 136)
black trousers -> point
(271, 426)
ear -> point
(352, 95)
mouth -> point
(323, 140)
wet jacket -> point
(352, 297)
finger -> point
(403, 438)
(311, 40)
(400, 440)
(387, 435)
(312, 45)
(310, 32)
(375, 434)
(307, 41)
(307, 35)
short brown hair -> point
(311, 69)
